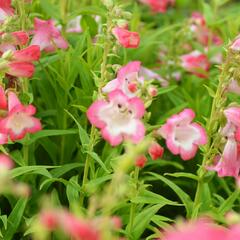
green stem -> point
(213, 139)
(133, 205)
(88, 161)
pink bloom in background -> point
(5, 9)
(49, 219)
(229, 163)
(234, 87)
(6, 162)
(126, 38)
(202, 33)
(236, 44)
(47, 36)
(118, 118)
(196, 63)
(131, 77)
(158, 6)
(198, 230)
(77, 228)
(182, 136)
(19, 120)
(156, 151)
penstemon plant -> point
(119, 120)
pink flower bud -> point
(6, 162)
(141, 161)
(126, 38)
(155, 151)
(152, 91)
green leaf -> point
(182, 174)
(97, 158)
(14, 219)
(185, 198)
(50, 9)
(229, 202)
(143, 219)
(41, 170)
(153, 198)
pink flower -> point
(203, 35)
(127, 80)
(196, 63)
(20, 38)
(6, 162)
(234, 232)
(130, 79)
(236, 44)
(198, 19)
(3, 99)
(234, 87)
(141, 161)
(182, 136)
(159, 6)
(118, 118)
(20, 69)
(29, 54)
(126, 38)
(156, 151)
(201, 229)
(49, 219)
(5, 9)
(47, 36)
(77, 228)
(229, 163)
(19, 120)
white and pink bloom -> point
(196, 63)
(228, 164)
(126, 38)
(182, 136)
(158, 6)
(236, 44)
(234, 87)
(118, 118)
(47, 36)
(5, 9)
(130, 79)
(19, 120)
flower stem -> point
(212, 126)
(133, 205)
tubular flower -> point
(20, 63)
(5, 9)
(196, 63)
(126, 38)
(47, 36)
(118, 118)
(19, 120)
(130, 78)
(182, 136)
(236, 44)
(228, 164)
